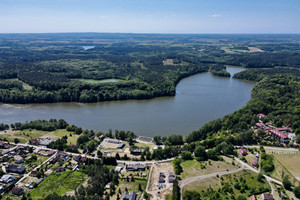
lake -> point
(198, 100)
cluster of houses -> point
(162, 176)
(255, 160)
(282, 134)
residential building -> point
(243, 152)
(17, 191)
(135, 167)
(15, 168)
(6, 178)
(267, 196)
(18, 159)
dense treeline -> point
(258, 74)
(43, 125)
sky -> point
(150, 16)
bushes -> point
(177, 166)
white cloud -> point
(216, 15)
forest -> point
(47, 68)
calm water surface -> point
(199, 99)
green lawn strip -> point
(59, 183)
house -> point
(75, 167)
(171, 177)
(6, 178)
(77, 158)
(161, 174)
(35, 142)
(135, 167)
(39, 181)
(257, 155)
(254, 163)
(253, 197)
(17, 191)
(243, 152)
(50, 153)
(45, 141)
(137, 151)
(267, 196)
(161, 180)
(60, 169)
(18, 159)
(127, 196)
(15, 168)
(33, 173)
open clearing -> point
(193, 168)
(58, 182)
(255, 49)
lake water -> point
(199, 99)
(88, 47)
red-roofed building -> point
(254, 163)
(243, 152)
(267, 196)
(261, 115)
(17, 191)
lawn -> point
(193, 168)
(60, 183)
(24, 136)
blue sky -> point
(150, 16)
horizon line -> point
(147, 33)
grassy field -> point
(286, 163)
(243, 178)
(26, 135)
(60, 183)
(194, 168)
